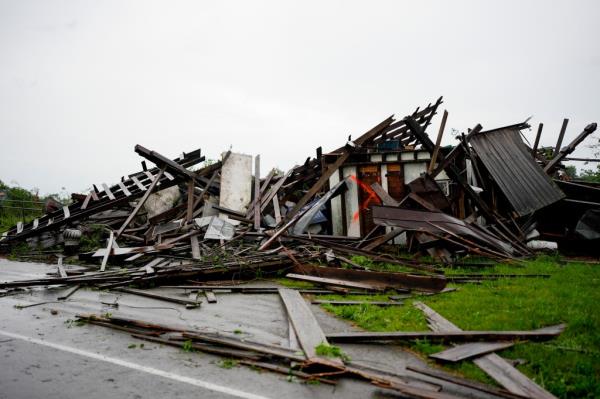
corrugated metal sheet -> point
(512, 167)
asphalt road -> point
(43, 354)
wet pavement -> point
(43, 353)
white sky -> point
(82, 82)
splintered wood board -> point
(495, 366)
(307, 328)
(333, 281)
(472, 349)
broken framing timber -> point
(331, 169)
(69, 293)
(383, 280)
(334, 282)
(438, 142)
(374, 303)
(307, 328)
(495, 366)
(383, 195)
(210, 296)
(109, 248)
(141, 202)
(470, 350)
(449, 336)
(186, 302)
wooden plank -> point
(272, 193)
(195, 247)
(69, 293)
(449, 336)
(561, 135)
(109, 193)
(342, 303)
(276, 209)
(124, 189)
(109, 249)
(61, 269)
(334, 282)
(292, 337)
(496, 367)
(438, 142)
(331, 169)
(383, 195)
(257, 192)
(537, 139)
(210, 296)
(190, 200)
(470, 350)
(307, 328)
(138, 183)
(86, 201)
(140, 202)
(165, 163)
(383, 239)
(169, 176)
(147, 294)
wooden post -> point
(141, 202)
(257, 192)
(561, 135)
(438, 142)
(537, 139)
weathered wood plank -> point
(470, 350)
(332, 281)
(124, 189)
(496, 367)
(210, 296)
(141, 202)
(307, 328)
(109, 248)
(448, 336)
(109, 193)
(61, 269)
(376, 303)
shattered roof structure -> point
(512, 167)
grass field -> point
(568, 366)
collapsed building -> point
(491, 182)
(185, 225)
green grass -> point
(326, 350)
(568, 366)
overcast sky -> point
(82, 82)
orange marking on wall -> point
(372, 197)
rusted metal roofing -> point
(512, 167)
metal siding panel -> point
(519, 177)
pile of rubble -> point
(212, 227)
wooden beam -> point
(449, 336)
(109, 248)
(257, 192)
(141, 202)
(495, 366)
(537, 139)
(561, 135)
(334, 167)
(333, 282)
(307, 329)
(438, 142)
(470, 350)
(589, 129)
(383, 195)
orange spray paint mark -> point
(372, 197)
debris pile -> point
(185, 226)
